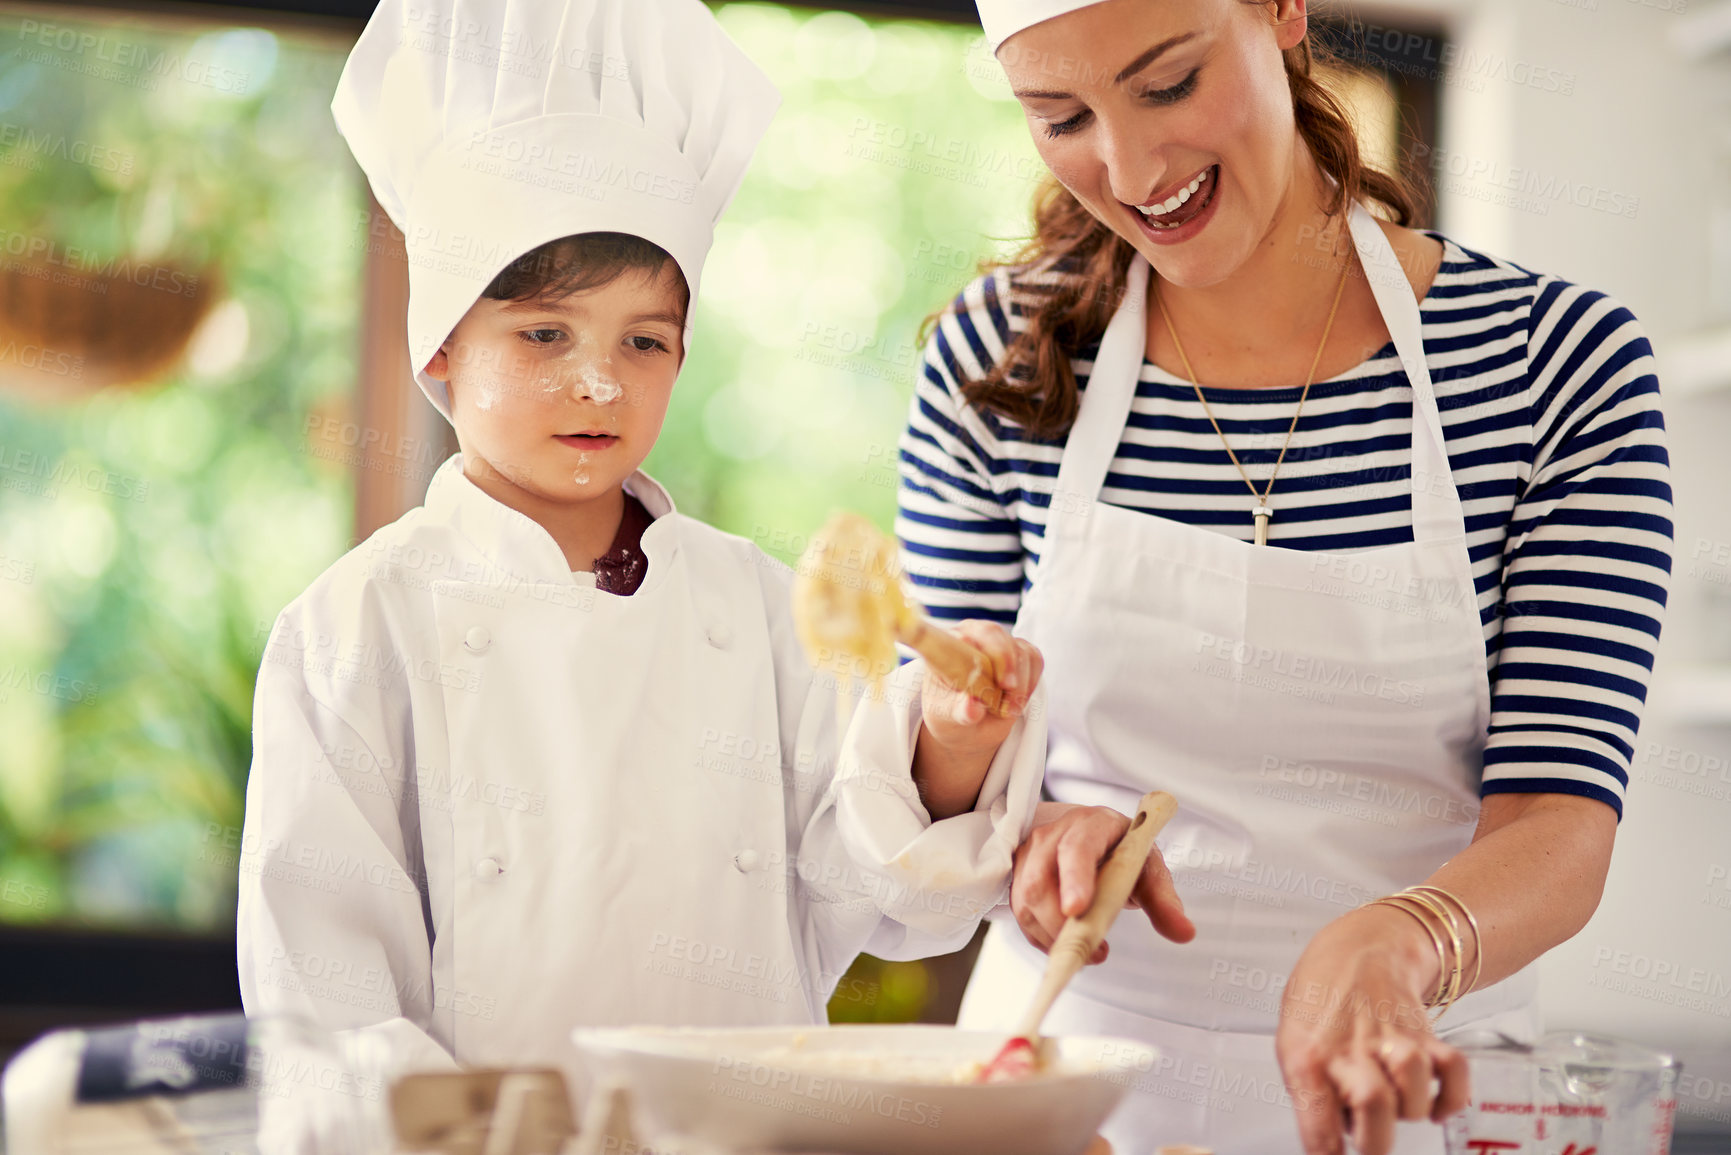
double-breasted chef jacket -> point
(490, 803)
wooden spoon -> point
(1082, 934)
(849, 612)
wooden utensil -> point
(1082, 933)
(849, 612)
(483, 1112)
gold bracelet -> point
(1435, 938)
(1449, 977)
(1478, 935)
(1447, 918)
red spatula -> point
(1075, 945)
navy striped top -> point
(1550, 407)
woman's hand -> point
(958, 736)
(1056, 867)
(1354, 1040)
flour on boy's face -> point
(565, 395)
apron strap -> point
(1104, 410)
(1436, 505)
(1105, 405)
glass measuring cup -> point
(1568, 1094)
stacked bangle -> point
(1434, 908)
(1478, 940)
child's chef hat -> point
(489, 127)
(1002, 19)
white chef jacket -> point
(489, 804)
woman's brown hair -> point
(1075, 266)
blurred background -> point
(204, 400)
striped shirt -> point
(1550, 408)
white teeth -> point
(1180, 197)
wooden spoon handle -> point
(1081, 934)
(953, 659)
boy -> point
(545, 753)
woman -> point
(1432, 670)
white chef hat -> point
(490, 127)
(1002, 19)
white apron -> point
(1320, 718)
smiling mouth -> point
(1185, 205)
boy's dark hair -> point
(578, 263)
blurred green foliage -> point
(897, 162)
(152, 533)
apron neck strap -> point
(1104, 408)
(1436, 505)
(1105, 405)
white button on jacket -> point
(489, 804)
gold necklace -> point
(1261, 513)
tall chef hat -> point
(489, 127)
(1002, 19)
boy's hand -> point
(958, 736)
(960, 722)
(1057, 865)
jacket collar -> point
(516, 543)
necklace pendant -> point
(1262, 513)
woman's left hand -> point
(1354, 1040)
